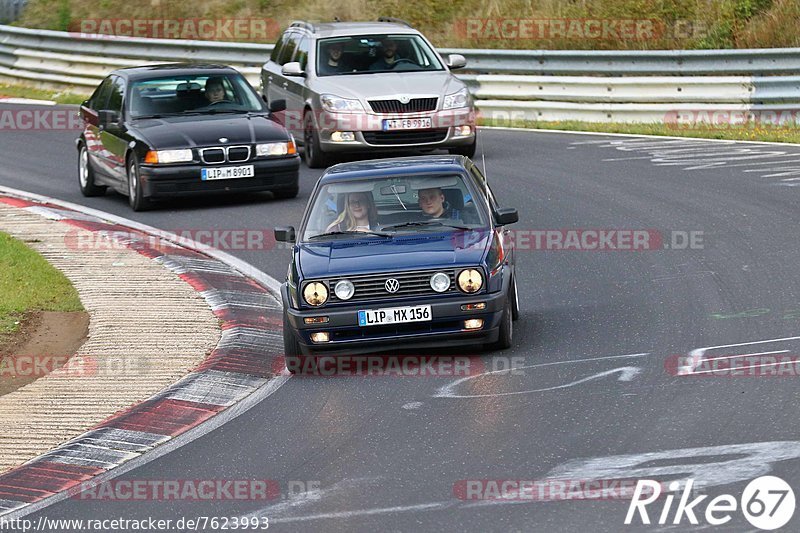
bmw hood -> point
(417, 252)
(386, 85)
(198, 131)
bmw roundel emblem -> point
(392, 285)
(223, 139)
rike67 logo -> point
(767, 503)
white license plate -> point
(224, 173)
(394, 315)
(390, 124)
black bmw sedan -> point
(172, 130)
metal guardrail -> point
(10, 10)
(624, 86)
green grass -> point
(785, 134)
(22, 91)
(29, 283)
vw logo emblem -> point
(404, 99)
(392, 285)
(223, 139)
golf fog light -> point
(463, 131)
(470, 280)
(440, 282)
(344, 289)
(343, 136)
(315, 293)
(320, 337)
(473, 323)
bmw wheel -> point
(86, 175)
(135, 196)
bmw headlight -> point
(456, 100)
(334, 104)
(344, 289)
(440, 282)
(470, 280)
(276, 149)
(315, 293)
(168, 156)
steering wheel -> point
(220, 102)
(403, 60)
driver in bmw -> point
(215, 91)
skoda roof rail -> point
(303, 24)
(394, 20)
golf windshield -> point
(390, 205)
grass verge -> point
(21, 91)
(29, 283)
(745, 132)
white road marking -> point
(413, 405)
(365, 512)
(447, 391)
(696, 355)
(703, 154)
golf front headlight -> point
(440, 282)
(315, 293)
(344, 289)
(470, 280)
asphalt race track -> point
(595, 394)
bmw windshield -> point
(185, 95)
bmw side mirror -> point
(455, 61)
(506, 215)
(293, 69)
(276, 106)
(285, 234)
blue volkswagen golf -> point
(399, 253)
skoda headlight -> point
(456, 100)
(334, 104)
(315, 293)
(440, 282)
(344, 289)
(470, 280)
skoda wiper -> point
(350, 232)
(426, 223)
